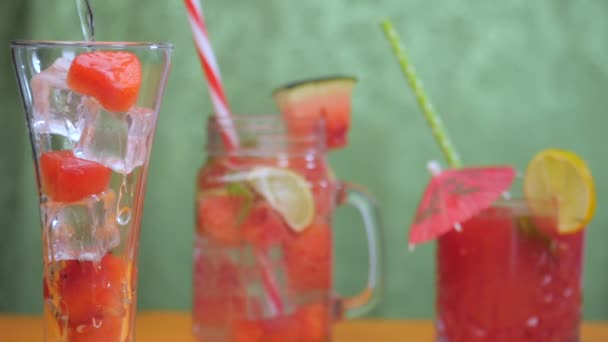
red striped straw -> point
(212, 71)
(218, 97)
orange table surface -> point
(175, 327)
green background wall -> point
(511, 77)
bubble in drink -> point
(85, 12)
(83, 230)
(117, 140)
(57, 109)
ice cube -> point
(84, 230)
(57, 109)
(118, 140)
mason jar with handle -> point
(263, 238)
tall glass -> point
(91, 149)
(509, 276)
(263, 240)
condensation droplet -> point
(122, 205)
(124, 216)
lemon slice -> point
(564, 178)
(287, 192)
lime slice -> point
(564, 178)
(287, 192)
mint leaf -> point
(239, 189)
(242, 190)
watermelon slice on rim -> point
(327, 97)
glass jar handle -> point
(358, 305)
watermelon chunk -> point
(328, 98)
(230, 220)
(314, 320)
(308, 258)
(111, 77)
(218, 217)
(263, 227)
(92, 291)
(67, 178)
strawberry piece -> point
(111, 77)
(66, 178)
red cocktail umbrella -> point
(455, 195)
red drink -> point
(508, 276)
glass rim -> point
(243, 116)
(21, 43)
(235, 118)
(541, 207)
(271, 131)
(268, 123)
(521, 199)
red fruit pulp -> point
(91, 297)
(90, 290)
(220, 294)
(111, 77)
(330, 107)
(67, 178)
(263, 227)
(308, 258)
(218, 217)
(314, 322)
(304, 103)
(498, 284)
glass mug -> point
(509, 276)
(91, 164)
(263, 245)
